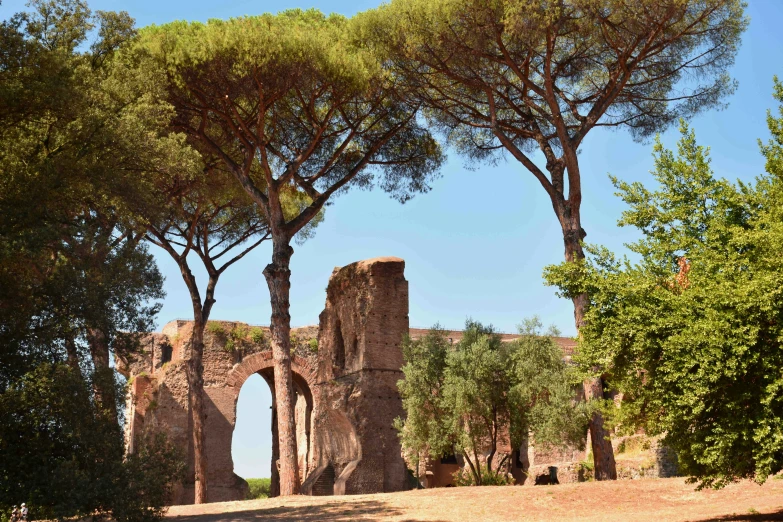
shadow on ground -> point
(749, 517)
(330, 512)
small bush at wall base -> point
(585, 472)
(464, 477)
(258, 488)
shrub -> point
(258, 488)
(216, 328)
(147, 478)
(464, 477)
(240, 332)
(257, 335)
(73, 459)
(313, 345)
(585, 472)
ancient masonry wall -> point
(345, 374)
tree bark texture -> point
(603, 454)
(195, 372)
(103, 375)
(278, 278)
(274, 488)
(73, 353)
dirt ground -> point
(657, 500)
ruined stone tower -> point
(345, 376)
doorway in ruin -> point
(254, 445)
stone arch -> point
(263, 360)
(303, 375)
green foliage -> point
(312, 344)
(489, 477)
(258, 488)
(332, 84)
(71, 143)
(257, 335)
(235, 337)
(74, 278)
(146, 481)
(63, 459)
(240, 332)
(691, 332)
(470, 397)
(217, 329)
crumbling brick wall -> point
(346, 387)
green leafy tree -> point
(61, 457)
(290, 103)
(74, 278)
(472, 397)
(517, 77)
(690, 333)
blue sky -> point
(476, 244)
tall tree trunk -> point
(476, 475)
(278, 278)
(274, 487)
(603, 454)
(195, 373)
(103, 377)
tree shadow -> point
(750, 517)
(328, 512)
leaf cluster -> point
(51, 436)
(290, 104)
(691, 333)
(481, 393)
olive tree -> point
(483, 393)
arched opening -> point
(251, 444)
(254, 445)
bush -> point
(258, 488)
(146, 480)
(313, 345)
(464, 477)
(64, 460)
(216, 328)
(257, 335)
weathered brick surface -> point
(360, 357)
(346, 387)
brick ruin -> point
(345, 377)
(345, 373)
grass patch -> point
(258, 488)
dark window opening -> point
(339, 348)
(166, 354)
(449, 459)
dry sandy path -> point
(657, 500)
